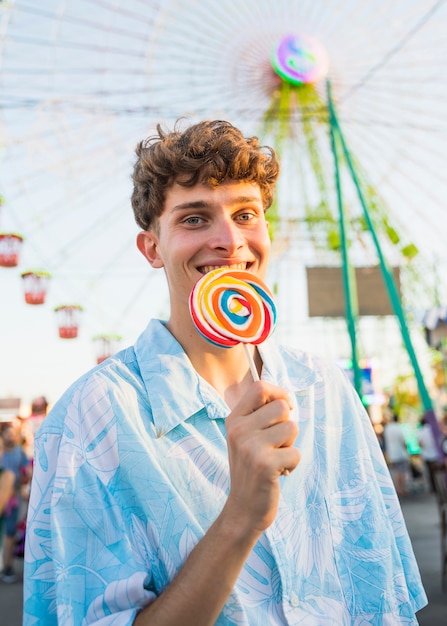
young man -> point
(160, 495)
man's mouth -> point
(204, 269)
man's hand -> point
(260, 437)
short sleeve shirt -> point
(131, 470)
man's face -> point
(203, 228)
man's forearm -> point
(198, 593)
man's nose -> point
(227, 236)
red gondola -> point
(68, 320)
(107, 345)
(10, 245)
(36, 285)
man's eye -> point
(245, 217)
(193, 220)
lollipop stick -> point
(253, 370)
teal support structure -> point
(388, 279)
(349, 284)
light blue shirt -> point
(131, 470)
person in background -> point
(15, 460)
(397, 453)
(32, 423)
(429, 451)
(443, 422)
(7, 479)
(170, 487)
(378, 429)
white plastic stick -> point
(253, 370)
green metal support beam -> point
(386, 273)
(349, 284)
(388, 279)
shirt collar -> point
(282, 367)
(176, 391)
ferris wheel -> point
(82, 82)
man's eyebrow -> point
(203, 204)
(197, 204)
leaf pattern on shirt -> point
(120, 498)
(201, 462)
(94, 439)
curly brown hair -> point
(210, 152)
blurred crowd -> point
(410, 450)
(16, 467)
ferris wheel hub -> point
(300, 60)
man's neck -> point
(225, 369)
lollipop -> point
(233, 306)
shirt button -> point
(294, 600)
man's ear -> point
(147, 244)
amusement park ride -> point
(35, 291)
(297, 101)
(301, 62)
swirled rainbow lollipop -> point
(232, 306)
